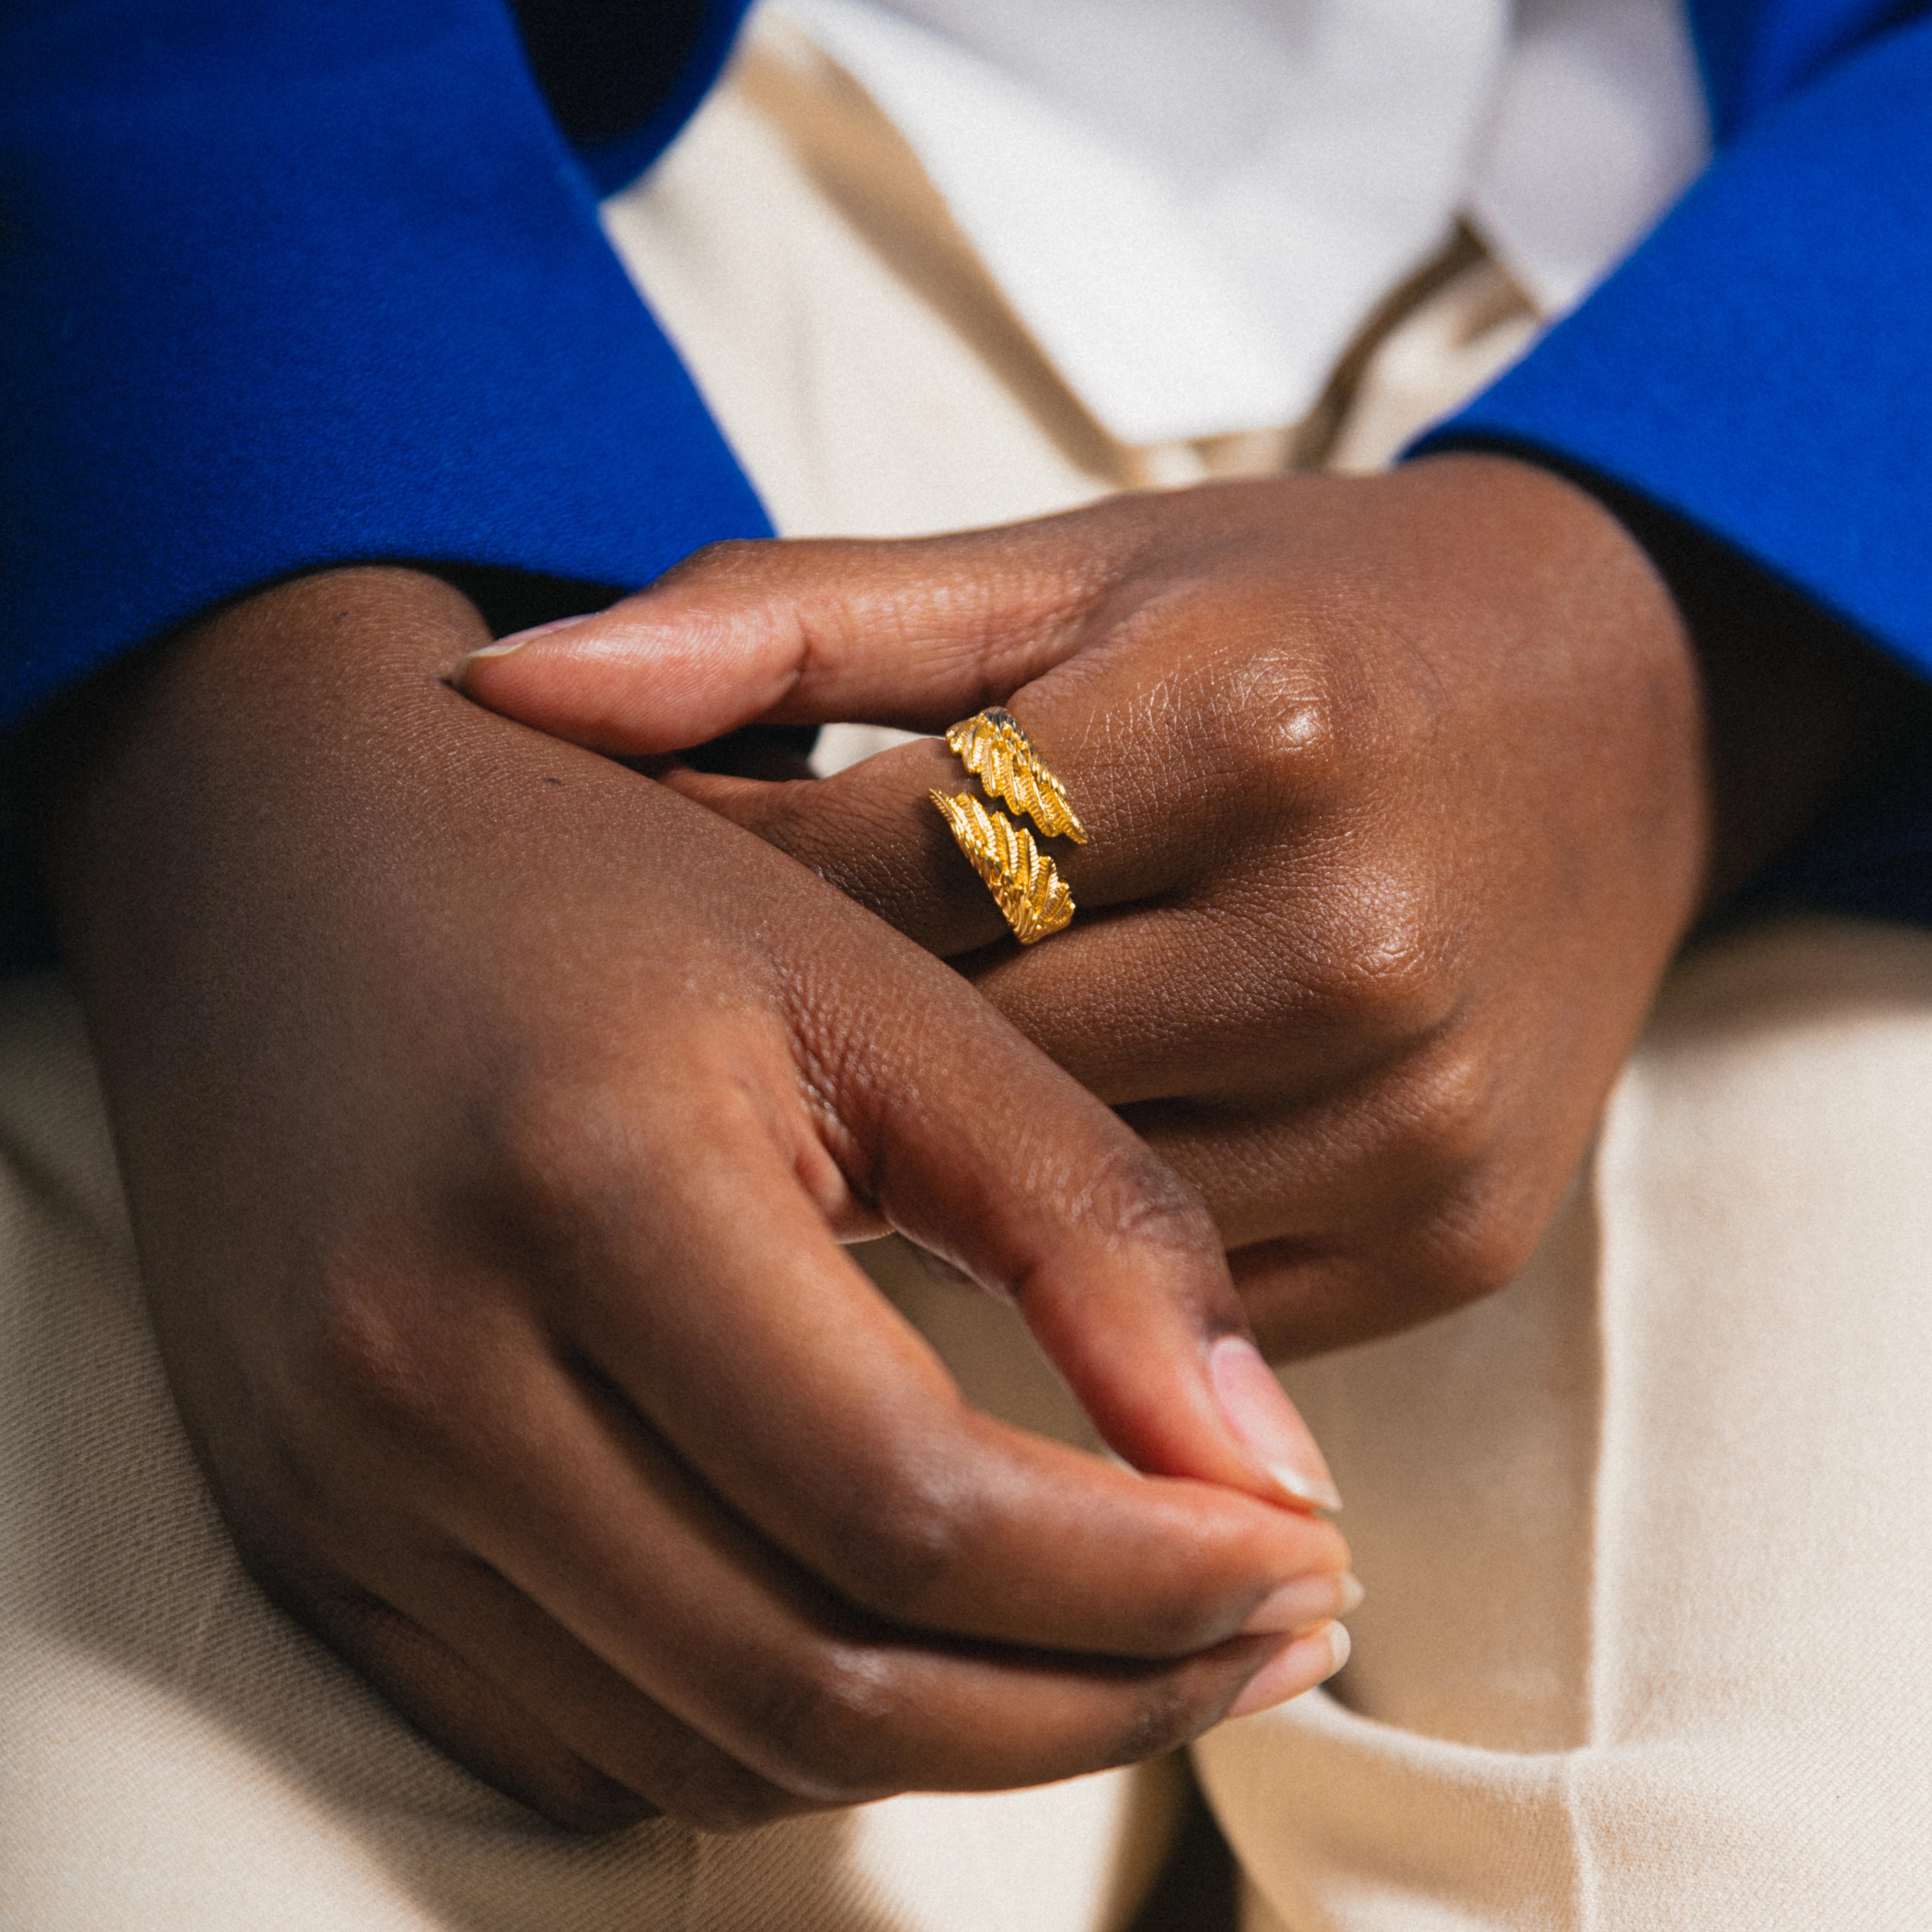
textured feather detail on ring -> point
(992, 746)
(1021, 878)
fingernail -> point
(1303, 1603)
(1268, 1424)
(503, 646)
(1309, 1660)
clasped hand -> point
(491, 1118)
(1397, 807)
(491, 1114)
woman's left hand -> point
(1398, 798)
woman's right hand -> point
(490, 1117)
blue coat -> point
(287, 287)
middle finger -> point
(614, 1540)
(1148, 789)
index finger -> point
(914, 632)
(805, 1401)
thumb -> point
(915, 633)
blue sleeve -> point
(1762, 367)
(285, 286)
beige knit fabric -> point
(1645, 1537)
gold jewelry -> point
(993, 748)
(1021, 878)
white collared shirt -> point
(1193, 204)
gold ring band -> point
(1025, 885)
(991, 745)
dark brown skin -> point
(490, 1117)
(1402, 792)
(489, 1111)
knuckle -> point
(1474, 1219)
(558, 1152)
(577, 1168)
(1480, 1244)
(833, 1729)
(1449, 1113)
(1168, 1711)
(1391, 978)
(1298, 726)
(366, 1349)
(1298, 753)
(1459, 1213)
(567, 1156)
(911, 1540)
(1132, 1197)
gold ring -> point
(1025, 887)
(992, 746)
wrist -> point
(1804, 722)
(151, 770)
